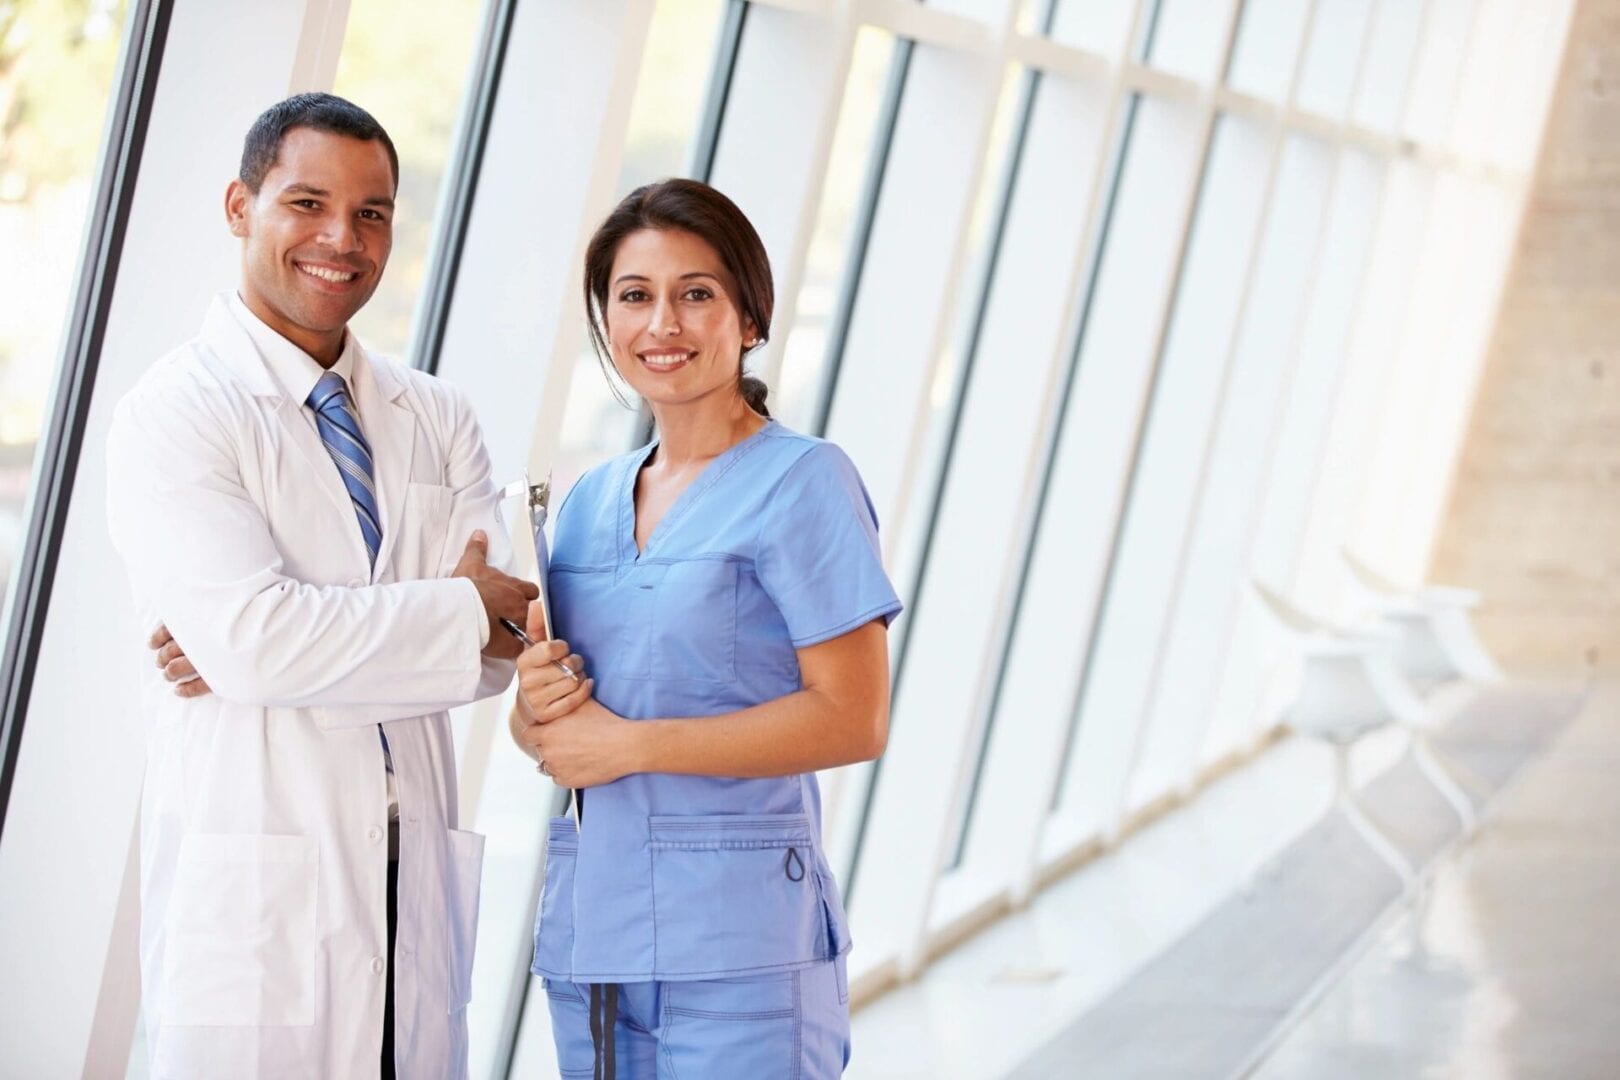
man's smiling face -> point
(316, 236)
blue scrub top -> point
(772, 548)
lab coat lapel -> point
(231, 343)
(390, 428)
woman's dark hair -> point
(702, 211)
(322, 112)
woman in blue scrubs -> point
(724, 591)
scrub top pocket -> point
(554, 924)
(734, 893)
(694, 622)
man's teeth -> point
(338, 276)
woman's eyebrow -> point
(683, 277)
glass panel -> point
(1207, 678)
(434, 41)
(1020, 330)
(1336, 42)
(1268, 41)
(1097, 25)
(57, 65)
(1432, 99)
(1170, 464)
(1391, 46)
(664, 116)
(1106, 399)
(1320, 583)
(1188, 36)
(671, 90)
(795, 398)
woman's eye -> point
(698, 294)
(632, 296)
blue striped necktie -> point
(340, 432)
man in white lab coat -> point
(294, 510)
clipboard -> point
(537, 500)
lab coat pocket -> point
(694, 623)
(419, 550)
(554, 924)
(240, 932)
(734, 893)
(465, 872)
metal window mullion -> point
(129, 119)
(456, 204)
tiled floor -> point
(1512, 968)
(1186, 951)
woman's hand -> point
(587, 747)
(550, 682)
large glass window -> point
(1107, 398)
(1170, 461)
(601, 418)
(407, 63)
(848, 177)
(57, 63)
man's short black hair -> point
(322, 112)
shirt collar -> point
(294, 368)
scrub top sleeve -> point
(817, 556)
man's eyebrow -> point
(322, 193)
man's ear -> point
(237, 198)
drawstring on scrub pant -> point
(604, 1017)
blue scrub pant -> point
(792, 1025)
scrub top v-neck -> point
(773, 547)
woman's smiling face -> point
(673, 324)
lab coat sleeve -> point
(200, 553)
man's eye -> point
(307, 204)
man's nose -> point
(340, 234)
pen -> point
(528, 643)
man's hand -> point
(504, 596)
(176, 668)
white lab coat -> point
(264, 813)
